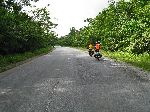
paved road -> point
(68, 80)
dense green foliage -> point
(20, 32)
(123, 26)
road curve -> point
(68, 80)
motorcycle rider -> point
(91, 52)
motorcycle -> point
(97, 55)
(91, 52)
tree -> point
(20, 32)
(122, 26)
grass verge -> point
(142, 60)
(10, 61)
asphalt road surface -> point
(68, 80)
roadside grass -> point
(142, 60)
(10, 61)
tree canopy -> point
(20, 32)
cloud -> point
(72, 13)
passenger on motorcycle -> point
(97, 48)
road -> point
(68, 80)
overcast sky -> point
(72, 13)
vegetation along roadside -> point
(23, 36)
(142, 60)
(10, 61)
(123, 29)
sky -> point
(72, 13)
